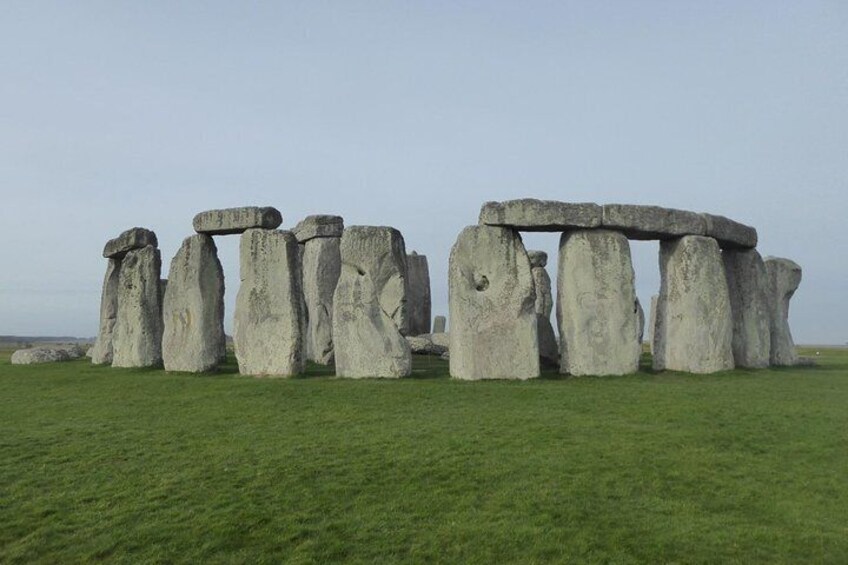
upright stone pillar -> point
(694, 329)
(640, 322)
(369, 305)
(269, 325)
(652, 321)
(747, 284)
(492, 306)
(101, 353)
(418, 277)
(784, 277)
(193, 308)
(319, 238)
(548, 345)
(137, 338)
(439, 325)
(597, 301)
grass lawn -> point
(145, 466)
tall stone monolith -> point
(492, 306)
(193, 308)
(784, 277)
(747, 285)
(694, 327)
(652, 321)
(269, 326)
(369, 305)
(418, 300)
(101, 353)
(548, 345)
(597, 297)
(137, 338)
(440, 324)
(640, 322)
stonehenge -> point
(439, 325)
(783, 277)
(101, 353)
(236, 220)
(748, 291)
(548, 344)
(418, 300)
(137, 335)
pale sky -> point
(412, 114)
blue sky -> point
(412, 114)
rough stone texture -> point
(747, 285)
(37, 355)
(652, 222)
(548, 345)
(193, 308)
(729, 233)
(652, 321)
(137, 337)
(74, 350)
(492, 306)
(320, 225)
(439, 325)
(529, 214)
(418, 299)
(783, 278)
(322, 264)
(236, 220)
(369, 305)
(101, 353)
(269, 323)
(133, 238)
(424, 345)
(694, 327)
(640, 321)
(597, 297)
(441, 339)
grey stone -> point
(537, 259)
(652, 321)
(424, 345)
(133, 238)
(101, 353)
(640, 321)
(269, 323)
(784, 277)
(137, 337)
(439, 325)
(548, 345)
(236, 220)
(729, 233)
(320, 225)
(38, 355)
(597, 297)
(694, 328)
(74, 350)
(529, 214)
(652, 222)
(747, 285)
(492, 306)
(193, 308)
(440, 339)
(322, 266)
(418, 299)
(369, 305)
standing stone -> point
(193, 308)
(640, 321)
(440, 324)
(418, 301)
(101, 353)
(597, 297)
(652, 321)
(747, 285)
(369, 305)
(548, 346)
(694, 328)
(492, 306)
(322, 266)
(269, 326)
(137, 338)
(784, 276)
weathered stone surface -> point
(236, 220)
(640, 321)
(529, 214)
(369, 305)
(74, 350)
(441, 339)
(322, 265)
(784, 277)
(133, 238)
(320, 225)
(37, 355)
(652, 222)
(424, 345)
(548, 345)
(729, 233)
(694, 328)
(492, 306)
(418, 299)
(597, 297)
(269, 323)
(137, 336)
(101, 353)
(439, 325)
(193, 308)
(747, 285)
(652, 323)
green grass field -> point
(101, 464)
